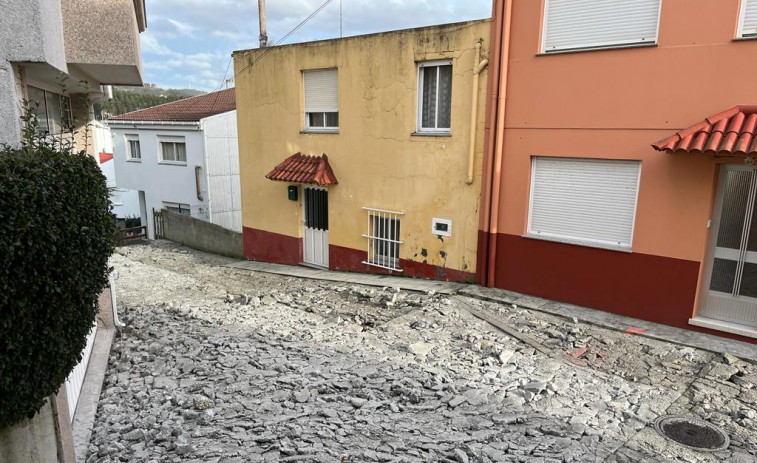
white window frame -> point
(742, 16)
(165, 139)
(614, 246)
(128, 139)
(419, 115)
(325, 128)
(545, 25)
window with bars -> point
(53, 110)
(321, 95)
(173, 150)
(434, 96)
(133, 151)
(383, 238)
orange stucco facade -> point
(613, 104)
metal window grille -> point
(383, 239)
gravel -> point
(223, 365)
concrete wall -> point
(222, 159)
(376, 156)
(162, 182)
(202, 235)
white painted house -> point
(182, 156)
(125, 202)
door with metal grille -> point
(731, 272)
(315, 236)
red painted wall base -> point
(283, 249)
(655, 288)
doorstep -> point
(728, 327)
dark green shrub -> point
(56, 234)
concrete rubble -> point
(221, 365)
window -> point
(434, 96)
(178, 208)
(383, 239)
(173, 150)
(582, 24)
(321, 89)
(584, 201)
(133, 152)
(748, 19)
(53, 110)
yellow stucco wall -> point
(377, 160)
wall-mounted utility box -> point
(292, 192)
(441, 227)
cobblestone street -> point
(224, 365)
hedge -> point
(56, 234)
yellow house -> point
(364, 153)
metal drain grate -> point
(692, 432)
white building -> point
(182, 156)
(125, 202)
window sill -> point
(134, 160)
(578, 242)
(173, 163)
(431, 134)
(313, 131)
(601, 48)
(744, 39)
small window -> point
(748, 19)
(588, 24)
(434, 96)
(321, 89)
(383, 239)
(584, 201)
(173, 150)
(178, 208)
(133, 151)
(53, 111)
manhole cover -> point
(692, 432)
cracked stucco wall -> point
(378, 161)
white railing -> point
(383, 239)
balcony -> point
(102, 40)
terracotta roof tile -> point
(731, 132)
(300, 168)
(187, 110)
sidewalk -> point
(595, 317)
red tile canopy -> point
(300, 168)
(732, 132)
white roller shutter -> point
(584, 200)
(321, 91)
(576, 24)
(748, 26)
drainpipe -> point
(499, 148)
(490, 121)
(477, 68)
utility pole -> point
(341, 34)
(261, 16)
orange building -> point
(618, 158)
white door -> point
(315, 237)
(730, 293)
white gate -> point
(75, 380)
(315, 239)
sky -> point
(188, 43)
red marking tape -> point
(634, 330)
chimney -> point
(261, 15)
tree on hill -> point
(127, 99)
